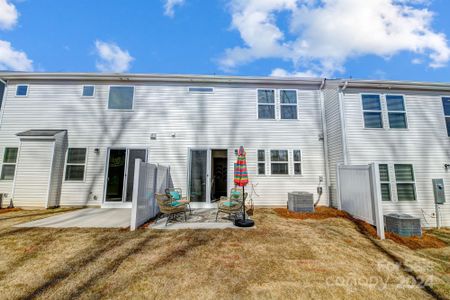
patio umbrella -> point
(241, 179)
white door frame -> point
(123, 203)
(208, 150)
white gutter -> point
(325, 139)
(400, 85)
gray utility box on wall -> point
(300, 202)
(439, 192)
(403, 225)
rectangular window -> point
(385, 183)
(75, 164)
(88, 90)
(279, 162)
(9, 164)
(372, 111)
(121, 97)
(396, 111)
(261, 162)
(288, 104)
(200, 90)
(22, 90)
(297, 162)
(446, 104)
(404, 177)
(266, 104)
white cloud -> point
(169, 7)
(12, 59)
(324, 34)
(8, 15)
(279, 72)
(112, 58)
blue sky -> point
(374, 39)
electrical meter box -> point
(438, 189)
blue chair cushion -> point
(175, 195)
(175, 203)
(229, 203)
(236, 194)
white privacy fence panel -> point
(359, 193)
(149, 179)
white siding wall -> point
(33, 173)
(334, 137)
(424, 144)
(222, 120)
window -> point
(404, 177)
(266, 104)
(385, 183)
(88, 90)
(201, 90)
(261, 162)
(288, 104)
(297, 162)
(372, 111)
(121, 97)
(76, 161)
(446, 104)
(22, 90)
(396, 111)
(279, 162)
(9, 164)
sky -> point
(370, 39)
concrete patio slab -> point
(201, 218)
(86, 218)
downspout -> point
(325, 139)
(5, 90)
(343, 127)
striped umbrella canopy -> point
(240, 168)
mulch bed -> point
(322, 212)
(6, 210)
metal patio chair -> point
(167, 208)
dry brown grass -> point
(280, 258)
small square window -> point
(88, 90)
(22, 90)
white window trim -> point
(407, 182)
(387, 182)
(7, 164)
(261, 162)
(372, 111)
(200, 92)
(93, 94)
(121, 109)
(297, 162)
(405, 111)
(289, 104)
(76, 164)
(274, 103)
(288, 162)
(17, 87)
(443, 113)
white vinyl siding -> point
(225, 119)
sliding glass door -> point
(198, 175)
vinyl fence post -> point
(377, 200)
(134, 203)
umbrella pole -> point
(243, 201)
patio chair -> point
(232, 205)
(176, 195)
(169, 208)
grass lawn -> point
(280, 258)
